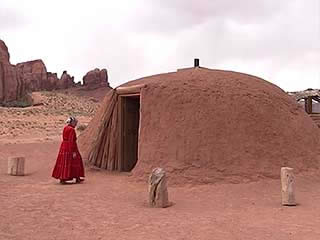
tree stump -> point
(16, 166)
(287, 186)
(158, 192)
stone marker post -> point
(16, 166)
(287, 186)
(158, 192)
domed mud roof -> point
(204, 126)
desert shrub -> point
(23, 102)
(17, 104)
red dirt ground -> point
(111, 206)
(105, 206)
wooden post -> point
(158, 193)
(305, 105)
(308, 104)
(287, 186)
(16, 166)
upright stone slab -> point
(287, 187)
(16, 166)
(158, 192)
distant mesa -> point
(96, 78)
(18, 80)
(66, 81)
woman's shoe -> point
(79, 180)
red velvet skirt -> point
(66, 166)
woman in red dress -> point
(69, 162)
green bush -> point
(26, 101)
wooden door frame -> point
(121, 127)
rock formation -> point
(96, 78)
(52, 81)
(17, 80)
(34, 75)
(66, 81)
(37, 78)
(158, 192)
(12, 86)
(4, 53)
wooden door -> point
(130, 132)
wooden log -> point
(16, 166)
(287, 187)
(95, 155)
(113, 140)
(130, 89)
(158, 192)
(105, 147)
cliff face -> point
(12, 86)
(17, 80)
(4, 53)
(34, 75)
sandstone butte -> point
(17, 80)
(96, 78)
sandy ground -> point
(113, 206)
(44, 122)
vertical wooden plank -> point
(309, 104)
(124, 136)
(105, 147)
(119, 135)
(101, 158)
(305, 105)
(139, 128)
(112, 142)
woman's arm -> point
(73, 142)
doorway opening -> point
(129, 133)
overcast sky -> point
(278, 40)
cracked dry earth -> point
(114, 206)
